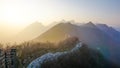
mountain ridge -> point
(88, 33)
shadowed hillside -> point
(110, 31)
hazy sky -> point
(15, 14)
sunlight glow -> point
(12, 15)
(22, 14)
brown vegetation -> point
(29, 51)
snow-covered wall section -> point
(50, 57)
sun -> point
(13, 16)
(20, 15)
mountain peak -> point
(90, 24)
(36, 24)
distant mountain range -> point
(99, 36)
(31, 31)
(110, 31)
